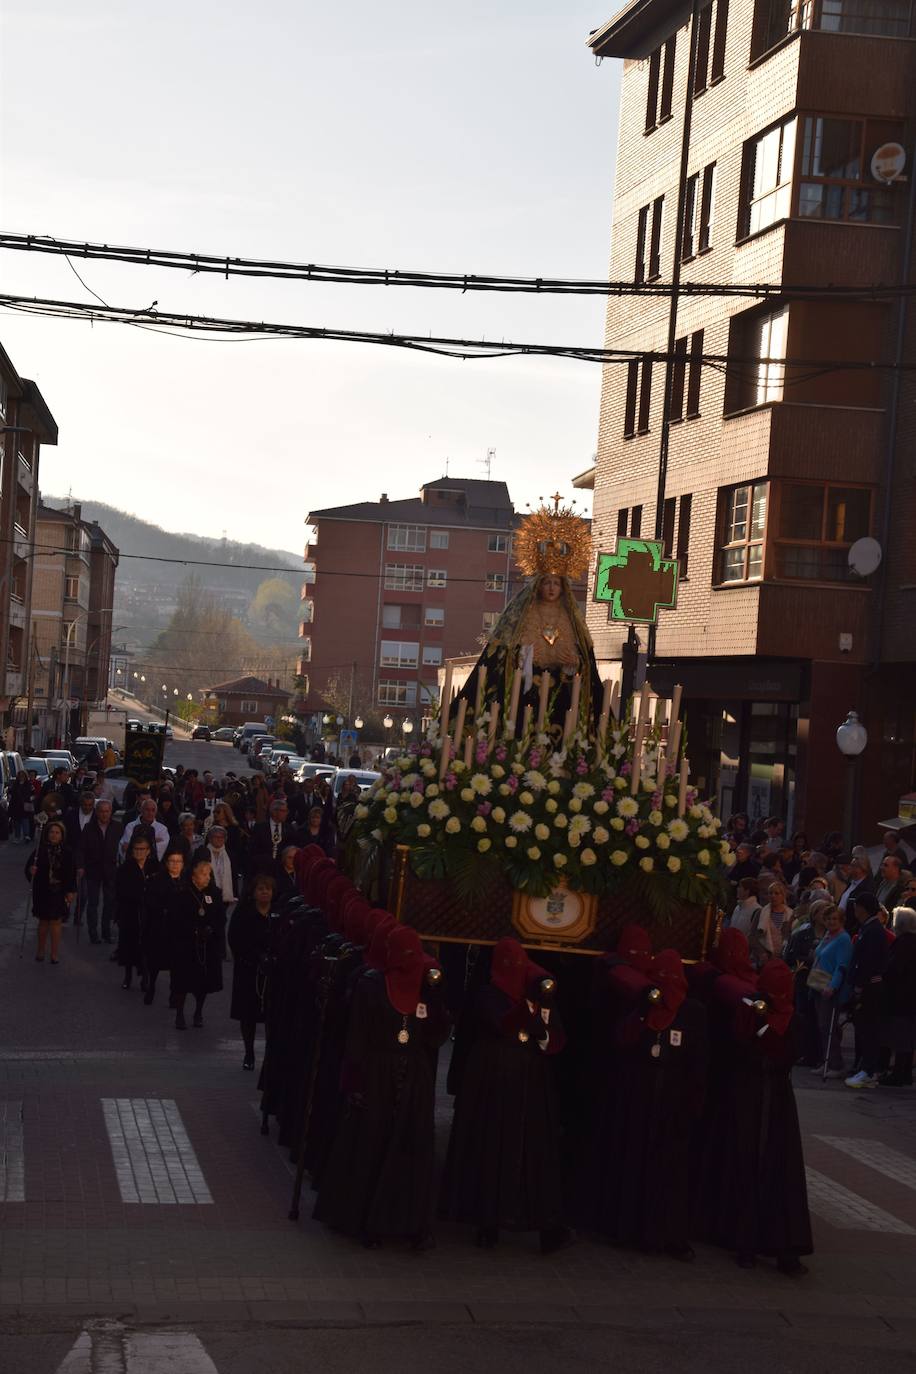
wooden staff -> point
(513, 703)
(675, 746)
(682, 790)
(605, 713)
(546, 684)
(459, 729)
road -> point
(115, 1258)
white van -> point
(248, 732)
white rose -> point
(600, 835)
(483, 846)
(561, 821)
(663, 841)
(553, 787)
(559, 860)
(601, 806)
(620, 784)
(498, 815)
(478, 824)
(588, 857)
(618, 858)
(550, 805)
(575, 804)
(647, 865)
(670, 800)
(541, 831)
(655, 818)
(704, 857)
(423, 830)
(498, 771)
(466, 794)
(616, 823)
(533, 853)
(416, 799)
(432, 790)
(390, 815)
(642, 842)
(526, 798)
(452, 825)
(511, 841)
(674, 864)
(505, 790)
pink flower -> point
(426, 750)
(484, 808)
(632, 827)
(581, 767)
(625, 769)
(534, 759)
(481, 754)
(512, 782)
(656, 800)
(501, 754)
(419, 787)
(451, 782)
(608, 794)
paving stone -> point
(380, 1313)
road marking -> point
(109, 1348)
(847, 1211)
(12, 1158)
(879, 1157)
(154, 1159)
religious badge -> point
(403, 1036)
(523, 1037)
(675, 1038)
(656, 1050)
(421, 1011)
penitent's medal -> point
(656, 1048)
(403, 1033)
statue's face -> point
(550, 589)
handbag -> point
(819, 980)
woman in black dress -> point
(131, 883)
(196, 944)
(378, 1179)
(52, 872)
(162, 895)
(250, 939)
(503, 1166)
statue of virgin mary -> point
(542, 630)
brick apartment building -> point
(25, 424)
(773, 470)
(72, 600)
(395, 587)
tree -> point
(202, 644)
(274, 605)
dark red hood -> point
(777, 986)
(336, 893)
(634, 947)
(381, 924)
(405, 969)
(511, 970)
(355, 912)
(732, 956)
(667, 974)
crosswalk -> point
(155, 1163)
(108, 1347)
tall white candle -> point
(682, 790)
(546, 684)
(513, 703)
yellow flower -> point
(575, 803)
(588, 857)
(553, 787)
(390, 814)
(534, 853)
(483, 846)
(670, 800)
(674, 863)
(678, 829)
(467, 794)
(642, 842)
(541, 831)
(663, 841)
(504, 789)
(498, 815)
(655, 818)
(559, 860)
(600, 835)
(616, 823)
(550, 805)
(627, 807)
(498, 771)
(647, 865)
(561, 821)
(600, 807)
(481, 784)
(432, 790)
(478, 824)
(511, 841)
(526, 798)
(618, 858)
(620, 784)
(704, 857)
(416, 799)
(452, 825)
(423, 830)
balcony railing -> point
(873, 18)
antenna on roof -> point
(446, 465)
(488, 461)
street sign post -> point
(637, 581)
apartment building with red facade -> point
(395, 587)
(747, 142)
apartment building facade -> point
(760, 142)
(25, 424)
(395, 587)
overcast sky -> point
(476, 138)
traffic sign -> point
(637, 580)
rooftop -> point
(255, 685)
(639, 27)
(454, 501)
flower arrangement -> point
(600, 813)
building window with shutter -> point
(683, 534)
(648, 264)
(495, 582)
(407, 538)
(768, 166)
(815, 525)
(434, 616)
(399, 654)
(660, 85)
(742, 532)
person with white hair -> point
(899, 984)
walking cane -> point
(324, 996)
(830, 1032)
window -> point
(407, 538)
(71, 588)
(742, 529)
(391, 617)
(438, 539)
(310, 573)
(645, 395)
(816, 525)
(694, 374)
(661, 79)
(698, 212)
(434, 616)
(437, 577)
(399, 654)
(489, 621)
(622, 518)
(246, 708)
(636, 522)
(394, 693)
(305, 652)
(835, 180)
(769, 160)
(307, 610)
(669, 515)
(432, 655)
(496, 582)
(649, 241)
(629, 522)
(629, 409)
(395, 617)
(710, 45)
(886, 18)
(403, 577)
(498, 543)
(683, 534)
(759, 342)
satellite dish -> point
(864, 556)
(888, 162)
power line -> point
(227, 266)
(464, 349)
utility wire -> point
(465, 349)
(226, 266)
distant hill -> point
(146, 590)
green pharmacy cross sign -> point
(638, 581)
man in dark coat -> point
(869, 960)
(99, 861)
(268, 840)
(503, 1167)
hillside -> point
(146, 591)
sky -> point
(472, 138)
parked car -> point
(118, 780)
(10, 765)
(89, 751)
(169, 732)
(364, 777)
(315, 770)
(255, 748)
(40, 767)
(134, 724)
(279, 752)
(57, 757)
(248, 731)
(225, 734)
(201, 732)
(291, 761)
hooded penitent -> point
(634, 947)
(667, 974)
(776, 986)
(512, 971)
(381, 924)
(732, 956)
(405, 969)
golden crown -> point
(556, 542)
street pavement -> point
(143, 1220)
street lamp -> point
(407, 727)
(358, 723)
(851, 738)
